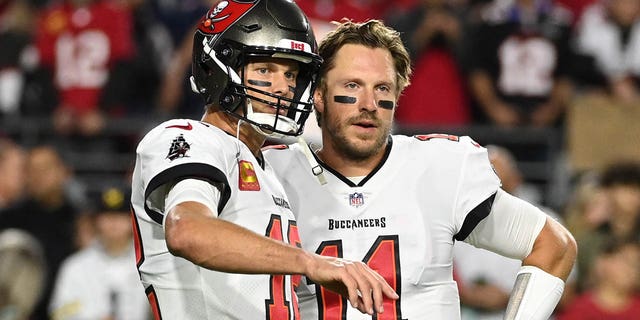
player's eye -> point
(384, 88)
(351, 85)
(290, 75)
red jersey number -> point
(82, 60)
(450, 137)
(384, 258)
(427, 137)
(277, 307)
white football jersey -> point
(251, 197)
(401, 220)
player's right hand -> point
(354, 280)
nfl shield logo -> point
(356, 199)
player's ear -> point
(318, 100)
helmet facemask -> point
(289, 114)
(219, 60)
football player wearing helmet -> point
(215, 234)
(398, 203)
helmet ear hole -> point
(229, 100)
(226, 54)
(205, 68)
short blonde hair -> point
(372, 34)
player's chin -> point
(360, 149)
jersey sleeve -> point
(476, 188)
(193, 190)
(178, 150)
(511, 229)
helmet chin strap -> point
(238, 139)
(316, 168)
(283, 123)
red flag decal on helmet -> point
(223, 14)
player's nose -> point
(281, 85)
(368, 101)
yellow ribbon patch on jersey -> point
(248, 180)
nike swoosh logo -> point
(187, 127)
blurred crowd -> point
(81, 64)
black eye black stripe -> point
(259, 83)
(344, 99)
(386, 104)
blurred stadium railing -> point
(535, 149)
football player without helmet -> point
(430, 190)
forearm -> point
(559, 98)
(192, 232)
(482, 88)
(223, 246)
(562, 93)
(540, 282)
(554, 251)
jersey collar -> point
(369, 176)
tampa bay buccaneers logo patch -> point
(179, 148)
(223, 14)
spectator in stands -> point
(431, 31)
(577, 7)
(101, 281)
(322, 12)
(609, 36)
(614, 294)
(83, 43)
(621, 184)
(137, 80)
(485, 280)
(17, 57)
(511, 177)
(588, 206)
(47, 213)
(519, 69)
(179, 16)
(12, 171)
(175, 82)
(171, 100)
(22, 272)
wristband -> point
(535, 295)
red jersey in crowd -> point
(585, 308)
(80, 45)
